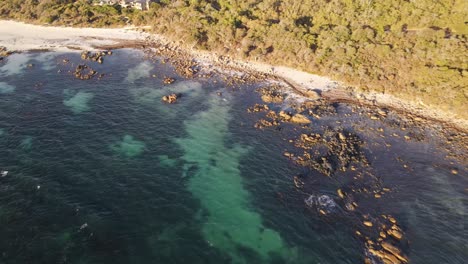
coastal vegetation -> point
(416, 50)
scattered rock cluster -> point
(333, 150)
(296, 118)
(262, 123)
(168, 80)
(258, 108)
(171, 98)
(184, 64)
(275, 119)
(98, 56)
(383, 244)
(271, 94)
(343, 149)
(84, 72)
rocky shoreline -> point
(188, 62)
(18, 37)
(329, 151)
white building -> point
(137, 4)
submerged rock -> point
(129, 147)
(6, 88)
(79, 102)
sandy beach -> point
(20, 37)
(17, 36)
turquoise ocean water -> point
(101, 171)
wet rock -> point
(342, 151)
(341, 136)
(268, 98)
(284, 115)
(257, 108)
(340, 193)
(395, 233)
(271, 94)
(168, 80)
(298, 182)
(308, 141)
(262, 123)
(84, 72)
(312, 94)
(189, 71)
(394, 251)
(97, 56)
(4, 52)
(299, 119)
(84, 55)
(379, 256)
(382, 112)
(321, 164)
(171, 98)
(350, 206)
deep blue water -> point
(101, 171)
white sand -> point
(16, 36)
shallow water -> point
(101, 171)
